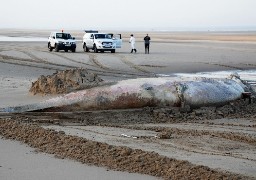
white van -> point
(101, 41)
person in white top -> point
(132, 41)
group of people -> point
(146, 43)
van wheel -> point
(56, 48)
(95, 49)
(85, 48)
(66, 50)
(49, 47)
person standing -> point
(147, 42)
(132, 41)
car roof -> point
(91, 31)
(96, 33)
(60, 32)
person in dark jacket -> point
(147, 42)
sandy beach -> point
(224, 141)
(23, 62)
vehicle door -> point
(90, 41)
(52, 39)
(117, 38)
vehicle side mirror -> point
(53, 37)
(73, 38)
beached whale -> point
(143, 92)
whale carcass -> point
(142, 92)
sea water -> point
(22, 39)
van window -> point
(102, 36)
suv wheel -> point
(56, 48)
(113, 51)
(49, 47)
(73, 50)
(85, 48)
(95, 49)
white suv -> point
(61, 41)
(101, 41)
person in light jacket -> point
(132, 41)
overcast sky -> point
(129, 14)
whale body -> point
(143, 92)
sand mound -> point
(65, 81)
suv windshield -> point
(102, 36)
(63, 36)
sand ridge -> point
(102, 154)
(65, 81)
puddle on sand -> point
(22, 39)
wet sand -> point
(19, 161)
(21, 63)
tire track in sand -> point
(93, 59)
(125, 60)
(103, 70)
(45, 61)
(72, 60)
(25, 62)
(222, 65)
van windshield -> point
(63, 36)
(102, 36)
